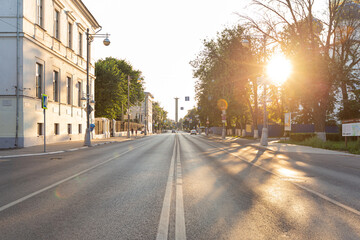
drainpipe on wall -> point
(17, 73)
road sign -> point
(181, 108)
(351, 129)
(222, 104)
(187, 98)
(44, 101)
(89, 109)
(287, 122)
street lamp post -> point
(264, 132)
(128, 109)
(89, 38)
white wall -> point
(38, 45)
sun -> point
(279, 69)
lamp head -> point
(106, 41)
(245, 43)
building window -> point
(40, 131)
(80, 44)
(56, 129)
(80, 128)
(69, 130)
(56, 86)
(68, 86)
(79, 94)
(57, 24)
(39, 13)
(39, 74)
(70, 26)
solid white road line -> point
(31, 154)
(333, 201)
(62, 181)
(180, 232)
(163, 228)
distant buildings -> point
(143, 113)
(43, 51)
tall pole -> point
(128, 108)
(264, 133)
(17, 73)
(87, 133)
(176, 111)
(146, 116)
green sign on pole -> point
(44, 101)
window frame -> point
(56, 97)
(40, 129)
(79, 93)
(68, 90)
(56, 128)
(39, 73)
(81, 43)
(57, 24)
(69, 128)
(40, 13)
(70, 35)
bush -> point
(314, 142)
(299, 137)
(333, 137)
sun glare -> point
(279, 69)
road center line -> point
(180, 231)
(333, 201)
(64, 180)
(163, 228)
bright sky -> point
(160, 38)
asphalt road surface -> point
(177, 186)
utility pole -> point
(176, 111)
(128, 109)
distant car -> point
(193, 132)
(173, 131)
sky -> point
(160, 38)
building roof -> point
(85, 11)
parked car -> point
(193, 132)
(173, 131)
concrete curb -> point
(60, 151)
(305, 148)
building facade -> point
(43, 51)
(143, 113)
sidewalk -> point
(273, 145)
(60, 147)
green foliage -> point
(352, 146)
(159, 116)
(301, 136)
(194, 120)
(222, 70)
(111, 87)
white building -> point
(143, 113)
(45, 54)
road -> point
(177, 186)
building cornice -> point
(59, 4)
(87, 14)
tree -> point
(159, 116)
(111, 87)
(311, 43)
(223, 72)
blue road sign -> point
(44, 101)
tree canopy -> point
(111, 87)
